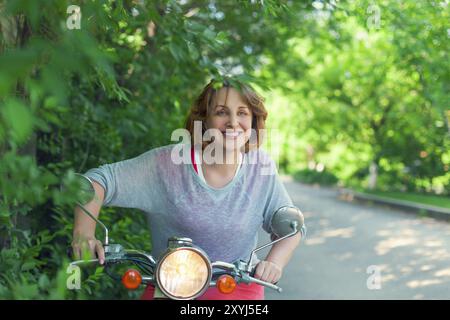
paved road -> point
(411, 254)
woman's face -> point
(232, 117)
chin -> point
(232, 146)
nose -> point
(233, 123)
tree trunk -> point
(16, 32)
(373, 175)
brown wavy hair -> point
(205, 103)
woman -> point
(220, 199)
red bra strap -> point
(193, 160)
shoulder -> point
(169, 158)
(153, 158)
(159, 153)
(259, 157)
(262, 162)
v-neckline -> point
(201, 179)
(199, 166)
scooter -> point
(184, 271)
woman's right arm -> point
(124, 184)
(84, 227)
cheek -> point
(215, 122)
(247, 123)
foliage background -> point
(349, 84)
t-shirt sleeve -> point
(126, 183)
(277, 198)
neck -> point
(229, 163)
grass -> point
(439, 201)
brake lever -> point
(78, 262)
(266, 284)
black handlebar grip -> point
(69, 252)
(252, 272)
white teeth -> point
(232, 134)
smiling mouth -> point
(232, 134)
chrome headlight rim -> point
(205, 287)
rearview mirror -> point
(286, 220)
(86, 193)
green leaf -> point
(19, 119)
(43, 282)
(28, 266)
(175, 51)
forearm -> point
(83, 224)
(84, 227)
(282, 251)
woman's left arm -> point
(271, 269)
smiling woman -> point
(220, 205)
(230, 109)
(233, 119)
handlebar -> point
(241, 274)
(147, 264)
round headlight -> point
(184, 273)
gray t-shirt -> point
(223, 222)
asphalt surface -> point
(360, 251)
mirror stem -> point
(294, 226)
(96, 220)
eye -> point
(242, 113)
(221, 112)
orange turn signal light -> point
(131, 279)
(226, 284)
